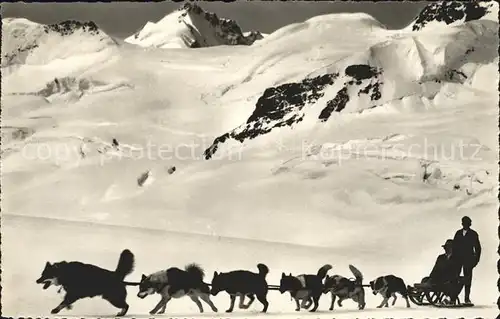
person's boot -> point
(467, 299)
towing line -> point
(270, 287)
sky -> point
(121, 19)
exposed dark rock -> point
(451, 11)
(284, 105)
(373, 89)
(276, 102)
(24, 44)
(277, 107)
(209, 152)
(68, 27)
(336, 105)
(226, 30)
(361, 72)
(9, 58)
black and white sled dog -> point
(81, 280)
(176, 283)
(345, 288)
(307, 288)
(243, 283)
(388, 286)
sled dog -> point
(81, 280)
(345, 288)
(388, 286)
(243, 283)
(307, 288)
(176, 283)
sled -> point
(437, 295)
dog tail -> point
(324, 270)
(357, 274)
(125, 264)
(196, 271)
(263, 270)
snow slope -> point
(362, 146)
(27, 42)
(446, 13)
(191, 27)
(373, 77)
(44, 53)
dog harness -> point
(302, 280)
(384, 288)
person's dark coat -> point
(467, 248)
(445, 269)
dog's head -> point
(287, 282)
(218, 283)
(49, 276)
(377, 285)
(146, 287)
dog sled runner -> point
(437, 295)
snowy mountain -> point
(453, 13)
(56, 56)
(27, 42)
(333, 140)
(192, 27)
(408, 65)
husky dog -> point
(307, 288)
(81, 280)
(176, 283)
(243, 283)
(345, 288)
(388, 286)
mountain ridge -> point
(192, 27)
(381, 74)
(454, 12)
(25, 41)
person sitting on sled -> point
(445, 274)
(446, 268)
